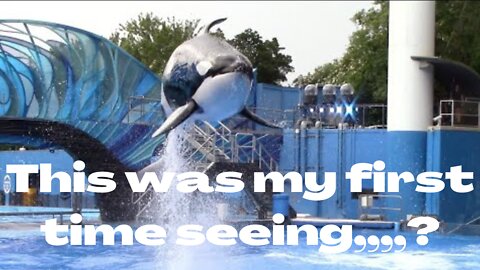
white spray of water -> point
(174, 209)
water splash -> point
(174, 209)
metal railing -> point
(143, 200)
(213, 144)
(252, 151)
(209, 144)
(461, 226)
(52, 213)
(453, 113)
(376, 202)
(361, 115)
(284, 118)
(148, 111)
(459, 113)
(371, 115)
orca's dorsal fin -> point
(212, 24)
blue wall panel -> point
(321, 151)
(337, 150)
(453, 148)
(271, 102)
(407, 151)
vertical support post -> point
(410, 85)
(410, 95)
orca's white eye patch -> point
(203, 67)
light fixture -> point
(339, 109)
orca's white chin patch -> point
(222, 96)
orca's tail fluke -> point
(212, 24)
(257, 119)
(176, 118)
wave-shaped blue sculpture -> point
(59, 73)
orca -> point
(206, 79)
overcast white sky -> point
(313, 33)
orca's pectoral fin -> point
(176, 118)
(257, 119)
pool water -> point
(30, 251)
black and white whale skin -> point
(206, 79)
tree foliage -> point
(365, 61)
(266, 55)
(152, 40)
(457, 38)
(364, 64)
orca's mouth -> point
(236, 67)
(245, 69)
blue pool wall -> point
(406, 151)
(332, 150)
(275, 97)
(448, 148)
(274, 103)
(60, 161)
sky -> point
(313, 33)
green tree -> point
(326, 73)
(457, 24)
(365, 63)
(151, 39)
(266, 55)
